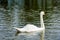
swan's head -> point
(42, 13)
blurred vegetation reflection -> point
(17, 13)
(26, 11)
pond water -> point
(19, 18)
(7, 22)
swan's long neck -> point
(42, 26)
(41, 20)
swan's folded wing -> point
(38, 30)
(35, 30)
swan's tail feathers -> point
(18, 31)
(17, 28)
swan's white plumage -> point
(30, 28)
(33, 28)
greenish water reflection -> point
(17, 16)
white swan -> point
(32, 28)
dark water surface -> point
(7, 22)
(16, 16)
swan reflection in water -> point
(30, 28)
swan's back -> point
(30, 27)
